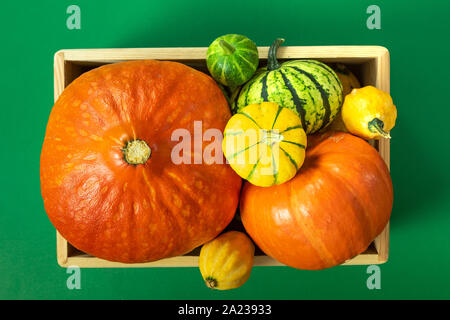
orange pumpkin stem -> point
(136, 152)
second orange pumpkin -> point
(338, 202)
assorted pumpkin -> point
(308, 87)
(108, 181)
(226, 262)
(111, 188)
(349, 82)
(265, 144)
(348, 79)
(232, 59)
(369, 113)
(330, 212)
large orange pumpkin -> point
(107, 178)
(338, 202)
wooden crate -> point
(369, 63)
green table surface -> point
(415, 32)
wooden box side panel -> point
(383, 83)
(86, 261)
(329, 53)
(67, 63)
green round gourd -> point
(232, 59)
(308, 87)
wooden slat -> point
(59, 84)
(86, 261)
(383, 83)
(58, 74)
(62, 249)
(318, 52)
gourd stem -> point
(136, 152)
(376, 126)
(272, 62)
(211, 283)
(227, 48)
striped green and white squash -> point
(232, 59)
(308, 87)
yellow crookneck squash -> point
(265, 143)
(369, 113)
(226, 262)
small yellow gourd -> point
(348, 79)
(369, 113)
(226, 262)
(265, 144)
(349, 82)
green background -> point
(415, 32)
